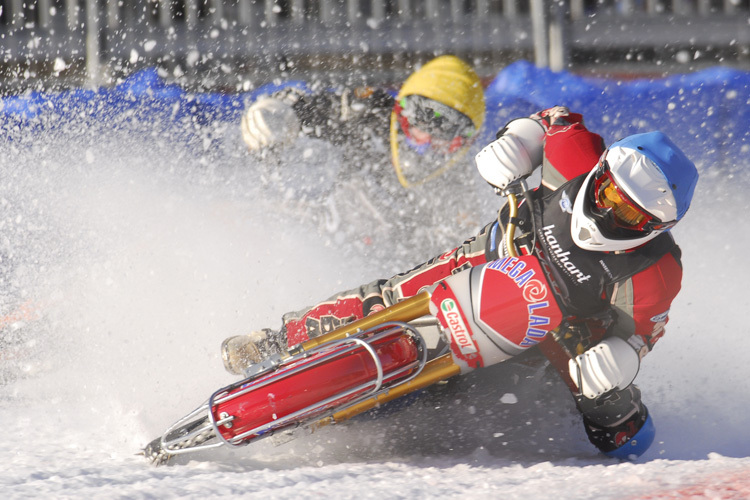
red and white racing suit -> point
(634, 308)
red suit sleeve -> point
(570, 150)
(643, 301)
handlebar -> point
(513, 189)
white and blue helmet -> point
(647, 176)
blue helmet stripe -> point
(679, 171)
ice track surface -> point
(140, 253)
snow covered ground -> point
(140, 254)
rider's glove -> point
(269, 122)
(515, 153)
(549, 116)
(612, 363)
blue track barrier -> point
(706, 113)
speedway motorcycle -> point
(485, 315)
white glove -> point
(514, 154)
(269, 122)
(612, 363)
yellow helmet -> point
(450, 81)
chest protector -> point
(581, 278)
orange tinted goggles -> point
(620, 210)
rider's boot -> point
(242, 351)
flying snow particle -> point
(149, 45)
(133, 56)
(683, 57)
(59, 65)
(192, 57)
(509, 399)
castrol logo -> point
(534, 291)
(457, 327)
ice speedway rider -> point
(428, 126)
(599, 225)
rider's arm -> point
(642, 302)
(554, 138)
(342, 117)
(570, 149)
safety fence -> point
(185, 34)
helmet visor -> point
(624, 212)
(432, 126)
(615, 212)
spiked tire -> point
(158, 455)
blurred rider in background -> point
(599, 224)
(427, 127)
